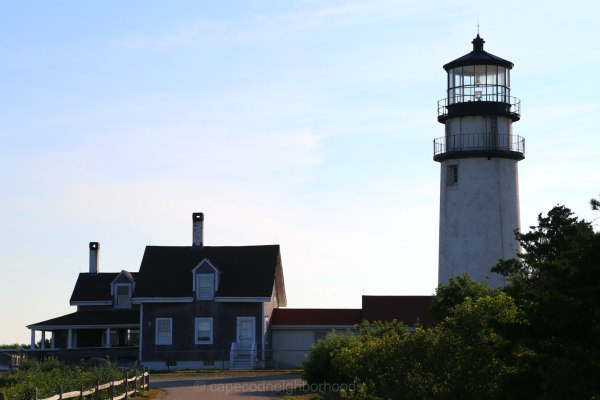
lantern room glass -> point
(478, 83)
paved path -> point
(235, 386)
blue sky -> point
(303, 123)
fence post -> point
(126, 384)
(135, 384)
(35, 394)
(81, 392)
(146, 369)
(2, 396)
(59, 391)
(97, 396)
(112, 387)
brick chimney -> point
(94, 257)
(198, 229)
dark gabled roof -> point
(95, 286)
(247, 271)
(128, 274)
(406, 309)
(478, 57)
(316, 316)
(92, 318)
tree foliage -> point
(464, 356)
(537, 338)
(454, 293)
(595, 203)
(556, 283)
(321, 366)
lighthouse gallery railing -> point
(479, 141)
(513, 104)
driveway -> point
(241, 385)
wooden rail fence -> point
(143, 377)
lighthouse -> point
(478, 156)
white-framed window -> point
(164, 331)
(204, 331)
(123, 295)
(205, 286)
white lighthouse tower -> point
(479, 186)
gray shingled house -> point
(187, 307)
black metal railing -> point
(478, 142)
(513, 103)
(116, 354)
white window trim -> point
(216, 270)
(114, 282)
(130, 289)
(170, 332)
(196, 341)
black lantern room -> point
(478, 83)
(479, 110)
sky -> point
(305, 123)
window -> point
(205, 284)
(164, 331)
(452, 175)
(206, 280)
(204, 331)
(123, 296)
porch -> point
(112, 334)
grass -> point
(151, 394)
(299, 393)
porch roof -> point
(92, 319)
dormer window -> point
(205, 286)
(121, 289)
(123, 295)
(206, 280)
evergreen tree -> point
(556, 283)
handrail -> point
(513, 102)
(233, 352)
(479, 141)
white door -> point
(246, 328)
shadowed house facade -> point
(194, 307)
(187, 307)
(208, 307)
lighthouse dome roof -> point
(478, 57)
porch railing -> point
(120, 355)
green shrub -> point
(45, 375)
(321, 365)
